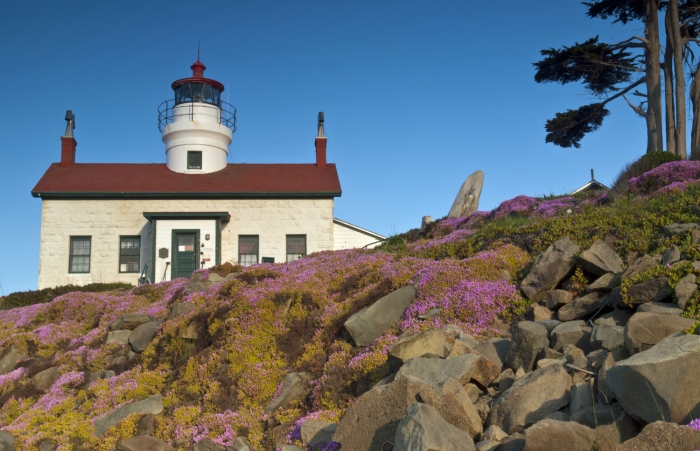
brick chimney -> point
(68, 143)
(321, 142)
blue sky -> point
(417, 96)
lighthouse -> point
(196, 125)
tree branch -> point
(636, 109)
(624, 91)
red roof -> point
(157, 181)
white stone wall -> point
(164, 237)
(347, 238)
(106, 220)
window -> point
(247, 250)
(79, 254)
(296, 247)
(129, 253)
(194, 159)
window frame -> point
(257, 245)
(138, 264)
(201, 160)
(71, 255)
(286, 248)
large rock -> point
(684, 293)
(144, 443)
(423, 429)
(660, 383)
(370, 322)
(452, 402)
(676, 228)
(207, 445)
(557, 298)
(153, 405)
(580, 397)
(638, 266)
(294, 387)
(608, 337)
(43, 380)
(605, 283)
(531, 398)
(180, 308)
(433, 341)
(583, 306)
(671, 255)
(573, 333)
(548, 435)
(7, 441)
(486, 371)
(142, 336)
(196, 283)
(660, 308)
(373, 418)
(436, 371)
(527, 341)
(495, 350)
(315, 432)
(652, 290)
(10, 360)
(120, 337)
(663, 436)
(467, 200)
(644, 330)
(550, 268)
(600, 259)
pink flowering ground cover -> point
(674, 172)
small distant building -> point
(131, 222)
(593, 185)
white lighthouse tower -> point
(197, 125)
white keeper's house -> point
(125, 222)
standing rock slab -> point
(370, 322)
(548, 435)
(652, 290)
(433, 341)
(663, 436)
(153, 405)
(661, 383)
(436, 371)
(423, 429)
(550, 268)
(600, 259)
(144, 443)
(142, 335)
(467, 200)
(583, 306)
(531, 398)
(644, 330)
(294, 387)
(527, 341)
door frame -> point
(198, 252)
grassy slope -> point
(217, 386)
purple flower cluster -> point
(521, 205)
(695, 424)
(665, 175)
(548, 208)
(457, 235)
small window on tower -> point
(194, 159)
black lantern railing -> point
(168, 111)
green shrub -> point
(25, 298)
(644, 164)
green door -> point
(185, 253)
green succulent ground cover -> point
(272, 319)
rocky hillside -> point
(562, 323)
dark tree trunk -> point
(654, 116)
(668, 94)
(695, 130)
(675, 32)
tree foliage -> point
(567, 129)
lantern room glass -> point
(197, 92)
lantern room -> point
(196, 124)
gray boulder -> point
(638, 266)
(423, 429)
(644, 330)
(7, 441)
(671, 255)
(608, 337)
(601, 259)
(43, 380)
(425, 221)
(241, 444)
(557, 298)
(684, 293)
(10, 360)
(531, 398)
(180, 308)
(676, 228)
(527, 341)
(581, 397)
(196, 283)
(436, 371)
(452, 402)
(120, 337)
(605, 283)
(550, 268)
(514, 442)
(207, 445)
(142, 335)
(130, 321)
(493, 433)
(660, 308)
(619, 317)
(663, 436)
(495, 350)
(144, 443)
(294, 387)
(547, 435)
(433, 341)
(583, 306)
(487, 445)
(467, 200)
(153, 405)
(652, 290)
(571, 332)
(315, 432)
(660, 383)
(370, 322)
